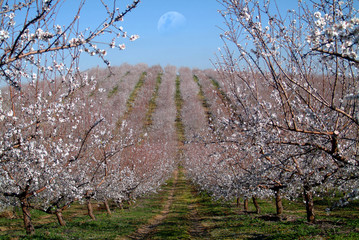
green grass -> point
(177, 223)
(193, 215)
(113, 91)
(218, 87)
(222, 93)
(206, 106)
(225, 221)
(180, 129)
(152, 105)
(80, 226)
(131, 99)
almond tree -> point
(296, 73)
(43, 132)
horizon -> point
(191, 41)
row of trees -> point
(121, 156)
(286, 108)
(51, 132)
(278, 117)
(68, 135)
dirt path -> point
(144, 231)
(197, 229)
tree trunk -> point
(258, 209)
(120, 205)
(14, 212)
(60, 219)
(309, 204)
(90, 210)
(238, 202)
(108, 210)
(245, 204)
(278, 202)
(25, 207)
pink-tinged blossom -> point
(4, 35)
(58, 29)
(38, 144)
(113, 44)
(317, 15)
(134, 37)
(281, 105)
(122, 46)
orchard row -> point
(121, 134)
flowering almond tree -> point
(294, 78)
(46, 128)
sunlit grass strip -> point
(206, 106)
(152, 105)
(79, 226)
(131, 99)
(177, 224)
(221, 219)
(222, 94)
(113, 91)
(180, 130)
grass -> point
(206, 106)
(79, 226)
(113, 91)
(224, 221)
(193, 215)
(116, 89)
(221, 93)
(131, 99)
(152, 105)
(180, 129)
(177, 223)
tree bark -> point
(90, 210)
(120, 205)
(25, 207)
(60, 219)
(245, 204)
(14, 211)
(278, 202)
(309, 204)
(238, 202)
(108, 210)
(258, 209)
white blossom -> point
(4, 35)
(134, 37)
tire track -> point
(197, 230)
(144, 231)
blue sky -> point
(192, 45)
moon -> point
(171, 22)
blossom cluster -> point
(34, 46)
(289, 83)
(49, 126)
(62, 139)
(335, 34)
